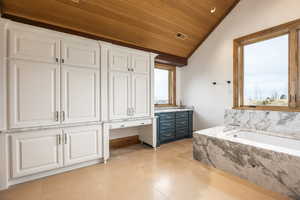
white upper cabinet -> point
(36, 151)
(140, 63)
(129, 83)
(80, 53)
(33, 93)
(38, 61)
(140, 95)
(80, 94)
(82, 144)
(33, 45)
(119, 60)
(119, 95)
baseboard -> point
(123, 142)
(52, 172)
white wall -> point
(213, 60)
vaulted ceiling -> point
(148, 24)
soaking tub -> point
(265, 159)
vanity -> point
(173, 124)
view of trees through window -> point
(266, 68)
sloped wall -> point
(213, 60)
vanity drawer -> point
(166, 136)
(166, 116)
(182, 123)
(182, 132)
(181, 115)
(167, 124)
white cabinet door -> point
(80, 94)
(33, 45)
(33, 94)
(36, 151)
(140, 63)
(81, 53)
(82, 144)
(119, 60)
(140, 95)
(119, 95)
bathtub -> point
(265, 140)
(260, 157)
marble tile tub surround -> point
(278, 172)
(283, 124)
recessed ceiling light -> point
(181, 36)
(213, 10)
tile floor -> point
(140, 173)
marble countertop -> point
(172, 110)
(222, 132)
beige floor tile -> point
(140, 173)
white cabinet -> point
(129, 84)
(80, 94)
(140, 95)
(32, 45)
(82, 53)
(82, 144)
(39, 151)
(38, 62)
(34, 152)
(33, 93)
(119, 60)
(119, 97)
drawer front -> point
(181, 115)
(182, 132)
(182, 123)
(167, 136)
(166, 116)
(167, 125)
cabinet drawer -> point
(167, 136)
(181, 115)
(181, 123)
(166, 116)
(182, 132)
(167, 124)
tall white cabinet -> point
(59, 97)
(129, 84)
(53, 80)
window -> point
(266, 69)
(164, 85)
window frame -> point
(292, 29)
(172, 84)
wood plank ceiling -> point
(150, 25)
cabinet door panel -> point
(34, 152)
(140, 63)
(33, 45)
(34, 93)
(140, 95)
(119, 94)
(80, 94)
(82, 144)
(119, 60)
(81, 53)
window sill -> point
(268, 108)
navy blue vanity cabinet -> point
(172, 126)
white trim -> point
(4, 169)
(52, 172)
(3, 75)
(152, 63)
(104, 47)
